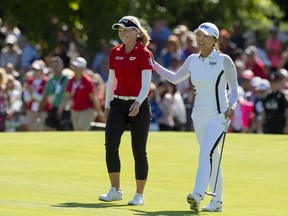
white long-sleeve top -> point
(112, 82)
(209, 77)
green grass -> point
(51, 174)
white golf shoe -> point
(137, 200)
(112, 195)
(213, 206)
(194, 200)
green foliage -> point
(93, 18)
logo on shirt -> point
(132, 58)
(150, 61)
(119, 58)
(204, 26)
(212, 63)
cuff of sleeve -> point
(233, 106)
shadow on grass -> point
(87, 205)
(137, 212)
(166, 213)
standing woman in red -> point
(130, 72)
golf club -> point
(221, 153)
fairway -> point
(63, 173)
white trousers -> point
(209, 131)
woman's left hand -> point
(134, 109)
(229, 112)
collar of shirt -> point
(212, 55)
(135, 49)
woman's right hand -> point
(105, 116)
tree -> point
(93, 18)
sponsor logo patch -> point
(212, 63)
(150, 61)
(132, 58)
(119, 58)
(204, 26)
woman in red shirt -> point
(33, 94)
(130, 72)
(81, 90)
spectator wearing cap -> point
(254, 83)
(54, 92)
(14, 91)
(226, 45)
(275, 114)
(81, 90)
(10, 69)
(245, 78)
(248, 83)
(33, 94)
(254, 63)
(261, 53)
(10, 53)
(180, 31)
(190, 45)
(262, 90)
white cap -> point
(264, 85)
(255, 81)
(79, 62)
(11, 39)
(46, 70)
(38, 65)
(208, 29)
(247, 74)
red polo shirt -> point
(80, 92)
(128, 68)
(38, 88)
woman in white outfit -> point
(212, 74)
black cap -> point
(125, 23)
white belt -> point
(126, 98)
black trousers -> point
(116, 124)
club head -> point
(210, 194)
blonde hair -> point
(143, 33)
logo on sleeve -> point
(150, 61)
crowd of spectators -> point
(33, 87)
